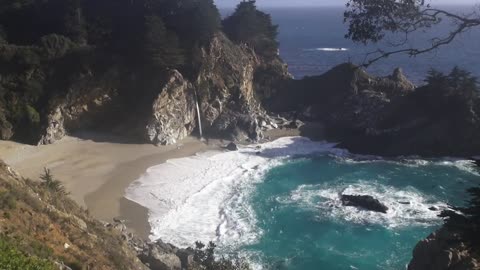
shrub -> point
(7, 200)
(32, 114)
(12, 259)
(51, 183)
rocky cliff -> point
(229, 85)
(444, 250)
(42, 228)
(386, 115)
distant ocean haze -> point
(312, 41)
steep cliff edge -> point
(41, 228)
(444, 250)
(226, 85)
(40, 220)
(388, 115)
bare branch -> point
(371, 20)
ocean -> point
(278, 204)
(312, 42)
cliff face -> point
(225, 86)
(86, 103)
(443, 250)
(385, 115)
(173, 111)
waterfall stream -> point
(198, 116)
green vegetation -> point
(12, 259)
(46, 46)
(51, 183)
(253, 27)
(7, 200)
(458, 80)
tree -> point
(195, 21)
(161, 46)
(372, 20)
(249, 25)
(51, 183)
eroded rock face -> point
(225, 89)
(228, 97)
(160, 256)
(365, 202)
(6, 128)
(173, 112)
(83, 105)
(443, 250)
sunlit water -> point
(312, 41)
(278, 205)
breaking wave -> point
(207, 197)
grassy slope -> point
(37, 222)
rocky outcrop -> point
(161, 256)
(225, 88)
(173, 111)
(6, 128)
(226, 91)
(84, 104)
(365, 202)
(443, 250)
(224, 85)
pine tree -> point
(161, 46)
(253, 27)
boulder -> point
(366, 202)
(232, 147)
(443, 250)
(160, 256)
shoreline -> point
(97, 168)
(96, 171)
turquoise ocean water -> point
(305, 227)
(278, 204)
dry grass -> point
(43, 222)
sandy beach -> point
(97, 171)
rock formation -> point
(364, 202)
(173, 111)
(443, 250)
(225, 82)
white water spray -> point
(198, 116)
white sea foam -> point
(329, 49)
(407, 207)
(202, 198)
(205, 197)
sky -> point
(299, 3)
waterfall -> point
(198, 115)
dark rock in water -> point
(295, 124)
(404, 202)
(232, 147)
(433, 208)
(476, 160)
(364, 201)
